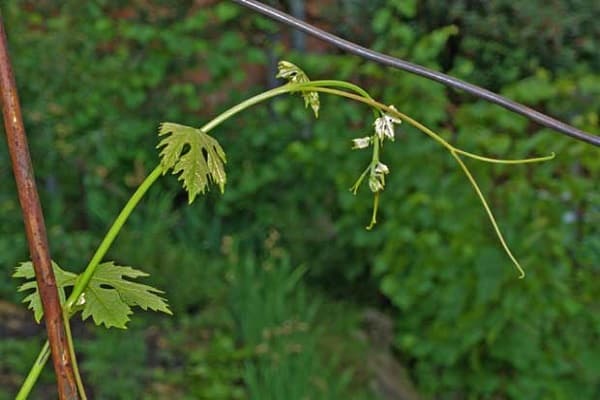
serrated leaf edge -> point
(25, 270)
(212, 161)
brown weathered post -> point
(35, 228)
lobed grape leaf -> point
(196, 155)
(109, 296)
(107, 299)
(25, 270)
(294, 74)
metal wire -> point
(444, 79)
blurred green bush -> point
(96, 78)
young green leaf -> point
(25, 270)
(294, 74)
(109, 296)
(196, 155)
(107, 299)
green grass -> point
(245, 326)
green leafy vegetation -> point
(276, 319)
(463, 324)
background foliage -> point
(96, 79)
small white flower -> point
(361, 143)
(381, 168)
(375, 184)
(377, 177)
(383, 129)
(384, 125)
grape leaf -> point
(109, 296)
(25, 270)
(107, 299)
(196, 155)
(294, 74)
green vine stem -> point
(375, 161)
(380, 106)
(113, 231)
(488, 210)
(454, 151)
(324, 86)
(82, 282)
(71, 345)
(34, 373)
